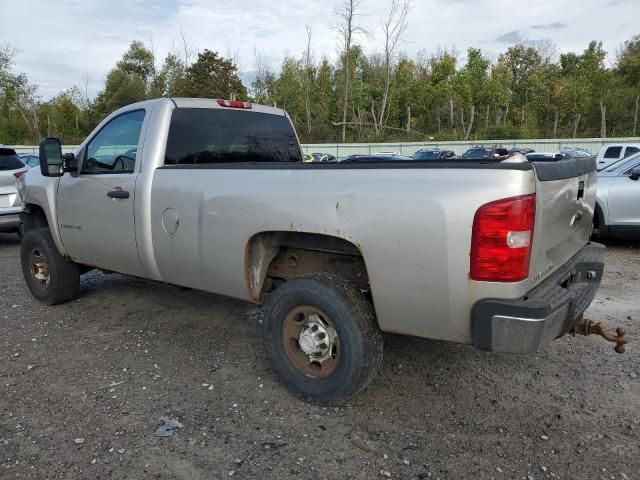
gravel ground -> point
(84, 385)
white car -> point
(11, 168)
(613, 152)
(618, 201)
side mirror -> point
(635, 173)
(51, 162)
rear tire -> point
(51, 278)
(321, 338)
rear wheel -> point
(321, 338)
(51, 278)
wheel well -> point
(273, 257)
(34, 217)
(598, 216)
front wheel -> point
(321, 338)
(51, 278)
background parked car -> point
(542, 156)
(522, 150)
(433, 154)
(31, 160)
(323, 157)
(576, 152)
(377, 157)
(11, 168)
(613, 152)
(618, 201)
(484, 151)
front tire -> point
(51, 278)
(321, 338)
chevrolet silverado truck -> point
(214, 195)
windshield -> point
(621, 162)
(477, 153)
(427, 155)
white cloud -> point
(58, 42)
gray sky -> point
(61, 41)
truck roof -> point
(183, 102)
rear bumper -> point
(547, 311)
(9, 222)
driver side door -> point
(96, 206)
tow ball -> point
(585, 326)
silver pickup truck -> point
(214, 195)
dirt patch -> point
(84, 385)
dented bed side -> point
(412, 227)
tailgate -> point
(565, 202)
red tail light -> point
(18, 174)
(234, 104)
(501, 239)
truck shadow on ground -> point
(8, 239)
(189, 317)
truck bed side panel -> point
(413, 228)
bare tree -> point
(264, 75)
(187, 49)
(393, 28)
(87, 79)
(307, 64)
(548, 51)
(347, 13)
(635, 115)
(27, 102)
(234, 56)
(603, 119)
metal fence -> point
(409, 148)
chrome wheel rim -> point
(311, 341)
(39, 268)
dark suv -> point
(433, 154)
(485, 151)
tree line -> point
(528, 91)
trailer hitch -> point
(585, 326)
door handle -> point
(118, 194)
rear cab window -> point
(220, 136)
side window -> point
(114, 148)
(613, 152)
(216, 135)
(630, 151)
